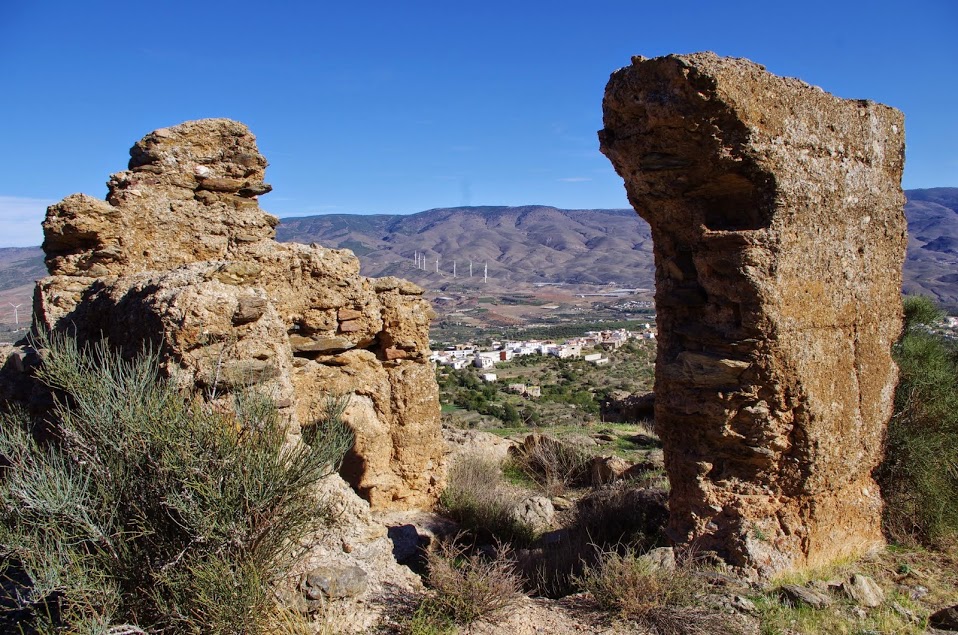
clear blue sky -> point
(397, 107)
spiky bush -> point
(919, 476)
(146, 506)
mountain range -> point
(538, 244)
(528, 244)
(542, 244)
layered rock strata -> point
(779, 236)
(181, 256)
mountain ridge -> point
(554, 245)
(546, 244)
(529, 243)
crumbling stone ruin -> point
(776, 215)
(180, 255)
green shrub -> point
(919, 475)
(150, 507)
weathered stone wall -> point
(779, 236)
(181, 255)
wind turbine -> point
(16, 312)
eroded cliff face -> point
(181, 256)
(779, 237)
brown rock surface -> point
(776, 215)
(181, 255)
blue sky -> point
(397, 107)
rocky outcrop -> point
(181, 256)
(776, 215)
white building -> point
(486, 359)
(565, 351)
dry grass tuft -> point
(478, 498)
(552, 464)
(666, 602)
(470, 587)
(626, 583)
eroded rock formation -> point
(180, 255)
(779, 236)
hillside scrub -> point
(919, 476)
(478, 498)
(572, 389)
(551, 464)
(147, 506)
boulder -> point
(334, 582)
(945, 619)
(536, 512)
(796, 595)
(776, 217)
(659, 559)
(460, 442)
(607, 469)
(864, 590)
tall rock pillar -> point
(779, 236)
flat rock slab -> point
(799, 595)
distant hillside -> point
(932, 264)
(20, 266)
(520, 244)
(545, 244)
(542, 244)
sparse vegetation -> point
(141, 505)
(612, 518)
(466, 587)
(898, 572)
(478, 498)
(663, 600)
(551, 464)
(919, 476)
